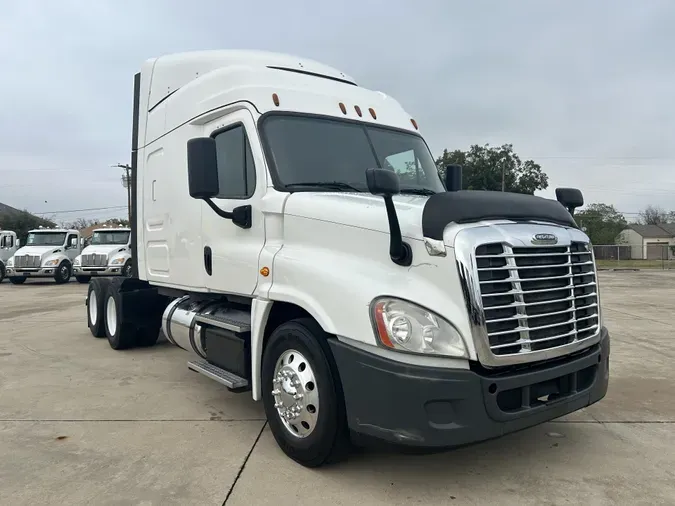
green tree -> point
(491, 168)
(21, 222)
(602, 222)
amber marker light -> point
(372, 113)
(343, 108)
(381, 325)
(414, 123)
(265, 271)
(358, 110)
(275, 99)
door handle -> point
(208, 262)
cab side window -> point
(236, 170)
(7, 241)
(69, 242)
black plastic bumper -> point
(436, 407)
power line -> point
(81, 210)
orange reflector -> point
(358, 110)
(414, 123)
(343, 108)
(372, 113)
(265, 271)
(381, 325)
(275, 99)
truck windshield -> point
(331, 154)
(46, 239)
(110, 237)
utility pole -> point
(126, 182)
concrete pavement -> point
(83, 424)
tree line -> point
(486, 167)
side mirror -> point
(18, 243)
(73, 242)
(571, 198)
(202, 168)
(385, 183)
(453, 178)
(203, 180)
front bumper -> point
(111, 270)
(436, 407)
(42, 272)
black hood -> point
(468, 206)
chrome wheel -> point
(111, 315)
(296, 396)
(93, 307)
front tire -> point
(17, 280)
(2, 271)
(126, 270)
(302, 394)
(63, 273)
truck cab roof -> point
(178, 88)
(54, 230)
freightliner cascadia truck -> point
(291, 232)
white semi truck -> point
(9, 243)
(108, 254)
(291, 232)
(48, 253)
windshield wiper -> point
(418, 191)
(333, 185)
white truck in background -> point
(48, 253)
(9, 243)
(291, 232)
(108, 254)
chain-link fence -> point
(648, 255)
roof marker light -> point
(275, 99)
(372, 113)
(343, 108)
(358, 110)
(414, 123)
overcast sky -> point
(584, 88)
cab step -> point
(234, 321)
(230, 380)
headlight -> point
(50, 263)
(77, 261)
(10, 262)
(117, 261)
(403, 326)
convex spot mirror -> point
(571, 198)
(202, 168)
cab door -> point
(230, 252)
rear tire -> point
(17, 280)
(62, 273)
(95, 315)
(2, 271)
(121, 335)
(83, 279)
(147, 336)
(297, 361)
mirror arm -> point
(240, 216)
(399, 251)
(223, 214)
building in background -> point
(649, 242)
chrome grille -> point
(94, 260)
(27, 261)
(536, 298)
